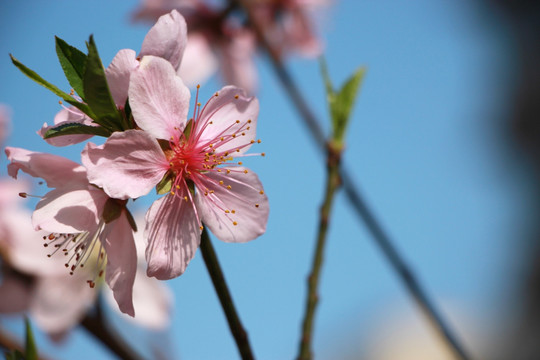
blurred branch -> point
(214, 269)
(332, 184)
(94, 323)
(353, 194)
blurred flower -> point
(5, 122)
(229, 200)
(219, 37)
(87, 226)
(166, 39)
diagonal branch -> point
(353, 194)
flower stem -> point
(94, 323)
(353, 194)
(332, 184)
(214, 270)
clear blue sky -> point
(426, 146)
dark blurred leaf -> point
(30, 346)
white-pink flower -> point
(166, 39)
(84, 224)
(193, 155)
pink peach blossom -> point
(73, 214)
(228, 199)
(166, 39)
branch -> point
(214, 270)
(353, 194)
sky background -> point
(426, 145)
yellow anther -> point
(261, 192)
(216, 93)
(185, 198)
(198, 104)
(227, 211)
(221, 138)
(263, 154)
(259, 141)
(238, 121)
(198, 86)
(218, 170)
(240, 163)
(233, 135)
(236, 96)
(256, 205)
(220, 182)
(228, 171)
(200, 227)
(245, 171)
(178, 186)
(249, 121)
(229, 187)
(172, 192)
(233, 211)
(206, 193)
(252, 141)
(243, 134)
(235, 223)
(211, 191)
(60, 102)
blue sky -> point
(426, 145)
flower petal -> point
(244, 203)
(158, 98)
(69, 210)
(173, 234)
(167, 39)
(118, 73)
(65, 116)
(220, 115)
(55, 170)
(128, 165)
(117, 238)
(238, 65)
(199, 61)
(59, 303)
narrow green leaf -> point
(164, 185)
(73, 62)
(97, 93)
(326, 77)
(344, 102)
(30, 347)
(76, 129)
(65, 96)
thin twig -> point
(354, 196)
(94, 323)
(312, 298)
(214, 269)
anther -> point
(261, 192)
(229, 187)
(236, 96)
(235, 223)
(238, 121)
(240, 163)
(245, 171)
(256, 205)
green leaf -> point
(65, 96)
(30, 346)
(343, 103)
(76, 129)
(73, 62)
(97, 93)
(164, 185)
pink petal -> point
(167, 39)
(158, 98)
(59, 303)
(199, 61)
(69, 210)
(5, 123)
(173, 235)
(244, 198)
(223, 111)
(55, 170)
(238, 65)
(117, 238)
(118, 73)
(128, 165)
(65, 116)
